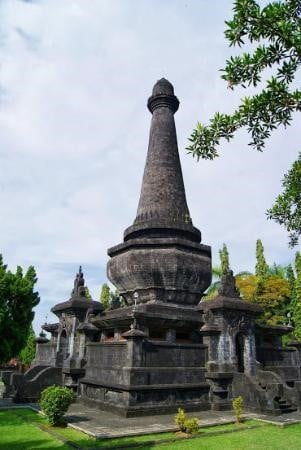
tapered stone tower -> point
(161, 259)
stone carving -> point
(228, 287)
(65, 324)
(236, 323)
(209, 317)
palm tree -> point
(216, 282)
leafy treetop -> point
(275, 29)
(17, 300)
(261, 268)
(27, 353)
(224, 259)
(105, 296)
(287, 207)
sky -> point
(75, 76)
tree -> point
(87, 293)
(278, 269)
(217, 272)
(275, 29)
(216, 282)
(17, 300)
(296, 308)
(287, 207)
(291, 281)
(273, 296)
(261, 268)
(247, 285)
(224, 258)
(27, 353)
(105, 296)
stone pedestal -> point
(156, 366)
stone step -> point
(289, 410)
(285, 406)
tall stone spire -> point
(161, 258)
(163, 193)
(162, 201)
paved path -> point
(8, 403)
(103, 424)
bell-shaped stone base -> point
(170, 270)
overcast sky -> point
(75, 76)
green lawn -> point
(268, 437)
(19, 430)
(16, 434)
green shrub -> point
(185, 425)
(238, 404)
(55, 401)
(192, 425)
(180, 419)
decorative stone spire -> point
(79, 284)
(42, 338)
(228, 287)
(162, 201)
(79, 303)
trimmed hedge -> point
(55, 401)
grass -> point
(268, 437)
(16, 434)
(19, 430)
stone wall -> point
(45, 355)
(283, 361)
(162, 354)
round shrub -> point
(55, 401)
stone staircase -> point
(284, 406)
(266, 393)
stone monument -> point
(151, 352)
(167, 347)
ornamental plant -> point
(238, 404)
(55, 401)
(188, 426)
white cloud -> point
(75, 77)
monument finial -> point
(163, 96)
(228, 287)
(79, 284)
